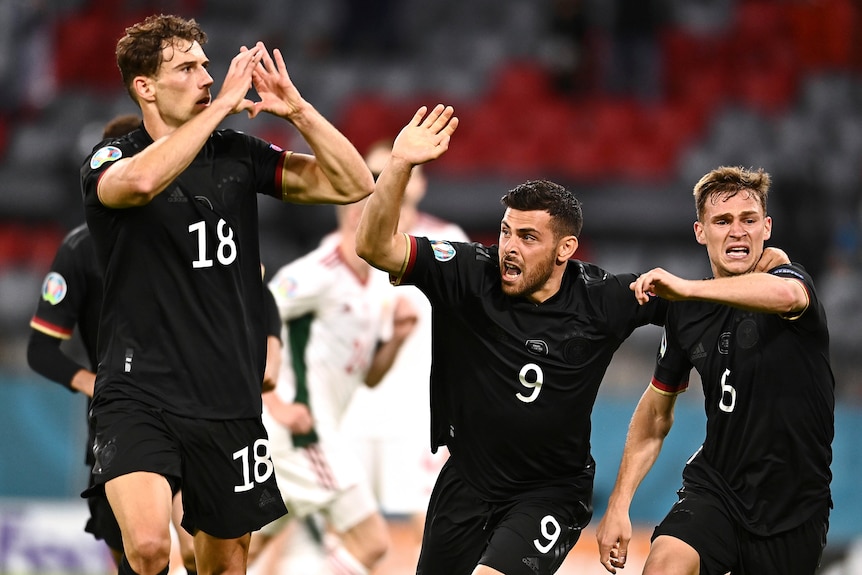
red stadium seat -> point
(520, 83)
(368, 118)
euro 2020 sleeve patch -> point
(104, 155)
(443, 251)
(54, 288)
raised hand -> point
(426, 137)
(238, 80)
(277, 93)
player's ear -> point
(566, 248)
(143, 87)
(699, 234)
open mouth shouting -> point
(511, 272)
(737, 251)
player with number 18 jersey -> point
(158, 305)
(182, 333)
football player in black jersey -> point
(72, 296)
(522, 336)
(172, 209)
(756, 495)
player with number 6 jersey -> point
(755, 497)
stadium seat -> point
(368, 118)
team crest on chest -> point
(746, 333)
(577, 351)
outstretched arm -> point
(756, 291)
(425, 138)
(650, 424)
(336, 172)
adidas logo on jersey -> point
(698, 352)
(266, 498)
(177, 196)
(532, 563)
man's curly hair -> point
(140, 51)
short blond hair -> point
(726, 181)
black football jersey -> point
(513, 383)
(183, 326)
(72, 293)
(769, 400)
(72, 296)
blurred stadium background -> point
(627, 102)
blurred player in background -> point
(391, 422)
(343, 329)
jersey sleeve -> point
(100, 159)
(672, 367)
(61, 301)
(813, 315)
(445, 271)
(622, 309)
(62, 294)
(269, 161)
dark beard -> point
(532, 281)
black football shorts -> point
(102, 523)
(222, 466)
(527, 536)
(725, 546)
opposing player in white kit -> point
(343, 327)
(390, 423)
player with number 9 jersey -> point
(522, 421)
(522, 336)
